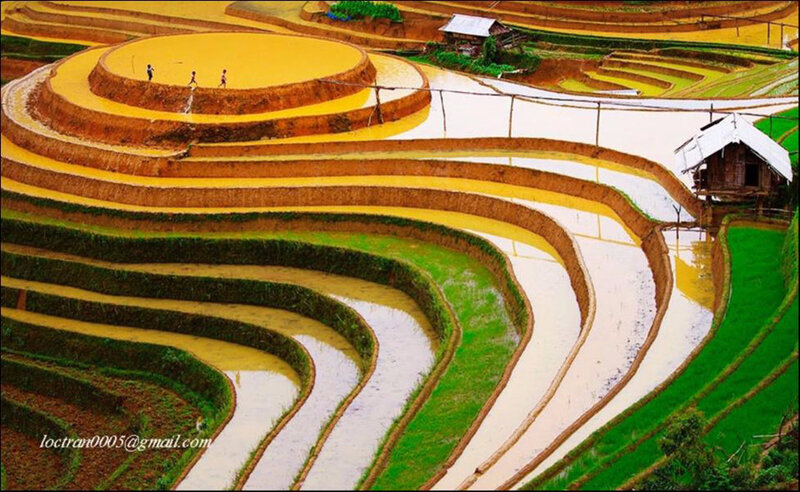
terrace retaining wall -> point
(66, 31)
(212, 100)
(65, 117)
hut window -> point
(752, 174)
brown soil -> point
(551, 71)
(210, 100)
(14, 68)
(27, 466)
(610, 22)
(414, 26)
(239, 9)
(90, 124)
(615, 12)
(93, 21)
(65, 31)
(149, 410)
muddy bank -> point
(416, 26)
(65, 117)
(782, 9)
(663, 176)
(97, 22)
(75, 152)
(64, 32)
(674, 72)
(210, 100)
(239, 9)
(14, 68)
(175, 167)
(672, 10)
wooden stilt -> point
(597, 127)
(378, 103)
(511, 115)
(444, 115)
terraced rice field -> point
(354, 271)
(701, 21)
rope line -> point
(550, 99)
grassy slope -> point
(740, 84)
(762, 414)
(756, 279)
(784, 131)
(779, 126)
(770, 353)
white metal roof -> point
(732, 129)
(468, 24)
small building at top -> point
(471, 30)
(733, 161)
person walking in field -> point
(150, 72)
(223, 80)
(193, 81)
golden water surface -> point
(252, 60)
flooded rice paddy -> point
(686, 323)
(265, 386)
(566, 367)
(293, 59)
(405, 355)
(71, 82)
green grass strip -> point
(770, 353)
(784, 131)
(757, 289)
(779, 125)
(762, 414)
(776, 346)
(632, 43)
(488, 341)
(34, 49)
(200, 385)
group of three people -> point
(223, 81)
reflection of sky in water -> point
(405, 356)
(556, 325)
(685, 323)
(625, 309)
(336, 376)
(623, 317)
(256, 413)
(653, 135)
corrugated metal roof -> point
(732, 129)
(470, 25)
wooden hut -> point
(733, 161)
(468, 30)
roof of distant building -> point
(732, 129)
(470, 25)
